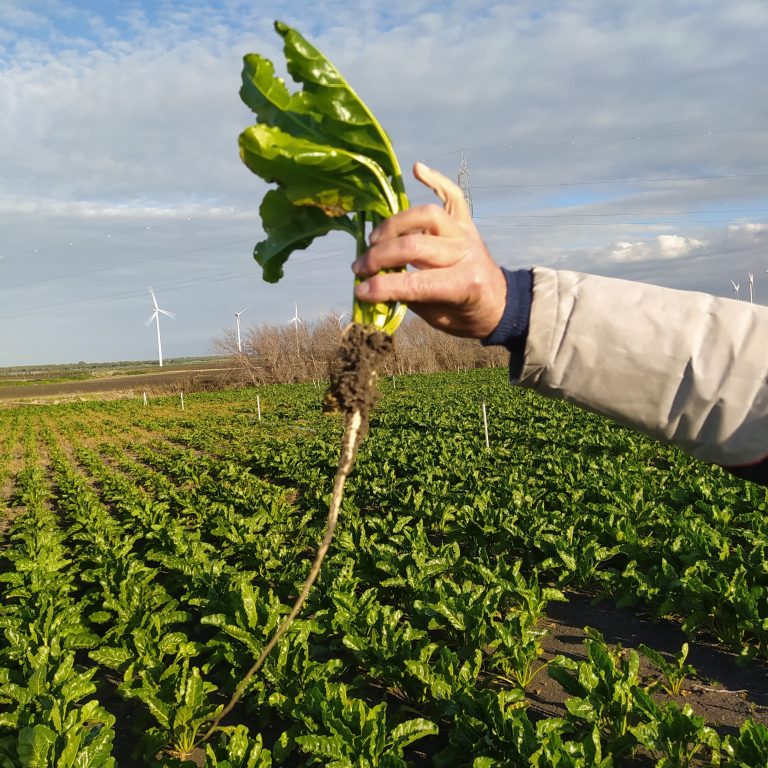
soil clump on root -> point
(354, 372)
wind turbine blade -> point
(243, 310)
(154, 300)
(228, 307)
(151, 318)
(169, 314)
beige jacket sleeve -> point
(686, 368)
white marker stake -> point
(485, 425)
(258, 406)
(145, 399)
(182, 401)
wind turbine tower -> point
(156, 317)
(237, 324)
(296, 321)
(464, 182)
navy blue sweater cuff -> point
(512, 330)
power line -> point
(603, 140)
(165, 287)
(124, 295)
(171, 221)
(124, 264)
(624, 213)
(613, 223)
(622, 181)
(467, 193)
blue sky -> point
(619, 138)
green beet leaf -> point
(413, 730)
(311, 174)
(289, 228)
(331, 160)
(35, 743)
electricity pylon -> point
(464, 182)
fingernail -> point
(362, 290)
(375, 235)
(356, 266)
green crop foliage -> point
(149, 555)
(675, 672)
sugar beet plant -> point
(334, 169)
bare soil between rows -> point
(725, 691)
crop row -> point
(151, 554)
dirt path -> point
(135, 383)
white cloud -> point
(134, 118)
(748, 227)
(624, 251)
(662, 247)
(677, 246)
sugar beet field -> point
(148, 553)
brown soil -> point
(354, 371)
(725, 690)
(127, 386)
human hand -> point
(455, 286)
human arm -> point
(683, 367)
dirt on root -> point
(354, 371)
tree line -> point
(301, 352)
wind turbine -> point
(156, 317)
(296, 321)
(237, 324)
(751, 287)
(735, 288)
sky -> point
(619, 138)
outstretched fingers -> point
(451, 195)
(423, 237)
(450, 220)
(455, 284)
